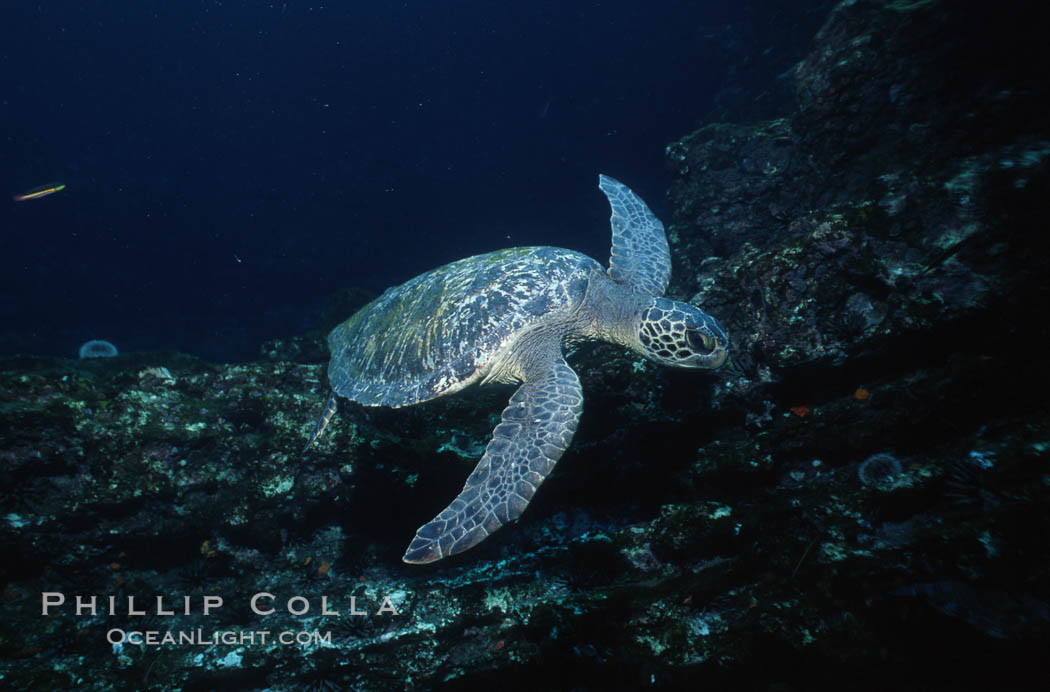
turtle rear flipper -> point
(330, 408)
(536, 429)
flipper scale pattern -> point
(536, 429)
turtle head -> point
(678, 334)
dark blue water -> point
(229, 165)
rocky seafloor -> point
(858, 499)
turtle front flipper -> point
(536, 429)
(640, 257)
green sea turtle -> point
(504, 317)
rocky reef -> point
(858, 499)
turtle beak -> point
(712, 359)
(717, 356)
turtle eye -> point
(699, 341)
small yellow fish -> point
(42, 191)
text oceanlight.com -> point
(262, 604)
(198, 637)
